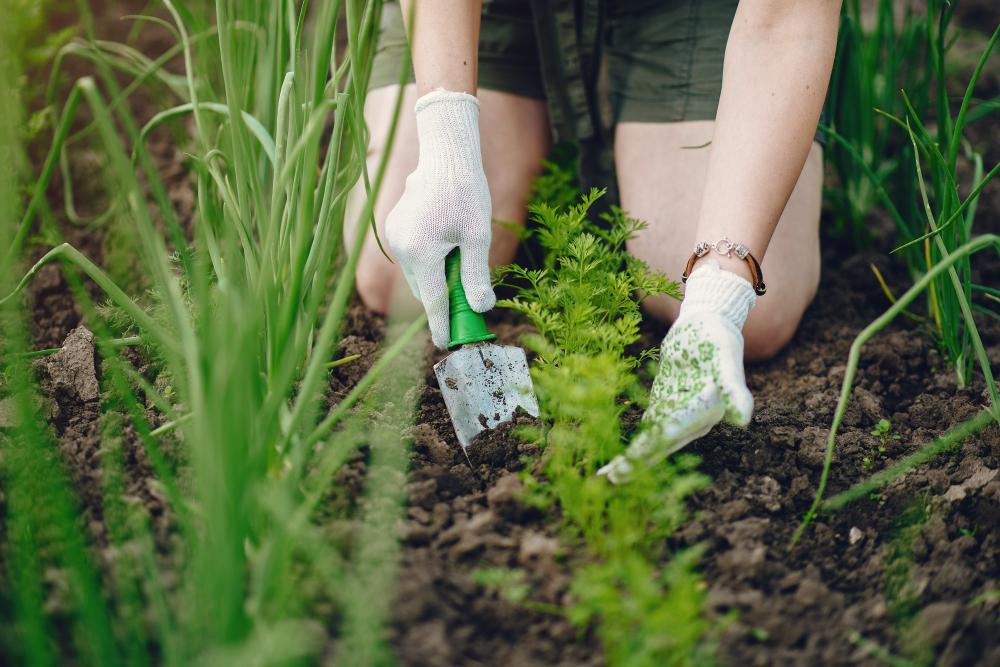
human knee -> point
(763, 339)
(509, 191)
(510, 185)
(375, 286)
(772, 324)
(515, 140)
(661, 308)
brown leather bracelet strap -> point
(756, 275)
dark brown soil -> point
(791, 607)
(466, 515)
(801, 606)
(902, 568)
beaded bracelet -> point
(727, 248)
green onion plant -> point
(887, 84)
(876, 57)
(948, 214)
(939, 240)
(241, 322)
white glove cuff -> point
(711, 289)
(442, 96)
(448, 131)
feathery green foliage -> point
(583, 298)
(583, 302)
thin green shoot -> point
(980, 243)
(943, 443)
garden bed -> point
(792, 607)
(912, 569)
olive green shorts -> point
(662, 59)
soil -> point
(466, 515)
(801, 606)
(904, 568)
(791, 607)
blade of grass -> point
(943, 443)
(854, 357)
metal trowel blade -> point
(483, 384)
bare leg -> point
(515, 138)
(662, 183)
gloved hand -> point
(446, 204)
(700, 381)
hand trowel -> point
(482, 383)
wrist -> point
(735, 266)
(441, 96)
(448, 132)
(729, 250)
(712, 289)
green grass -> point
(945, 248)
(241, 323)
(889, 83)
(872, 161)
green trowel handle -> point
(467, 326)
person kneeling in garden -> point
(714, 106)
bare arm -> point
(446, 202)
(444, 39)
(776, 73)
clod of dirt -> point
(936, 619)
(537, 547)
(810, 593)
(366, 333)
(70, 375)
(431, 444)
(504, 497)
(955, 493)
(980, 478)
(745, 561)
(496, 447)
(48, 279)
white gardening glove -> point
(700, 381)
(446, 204)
